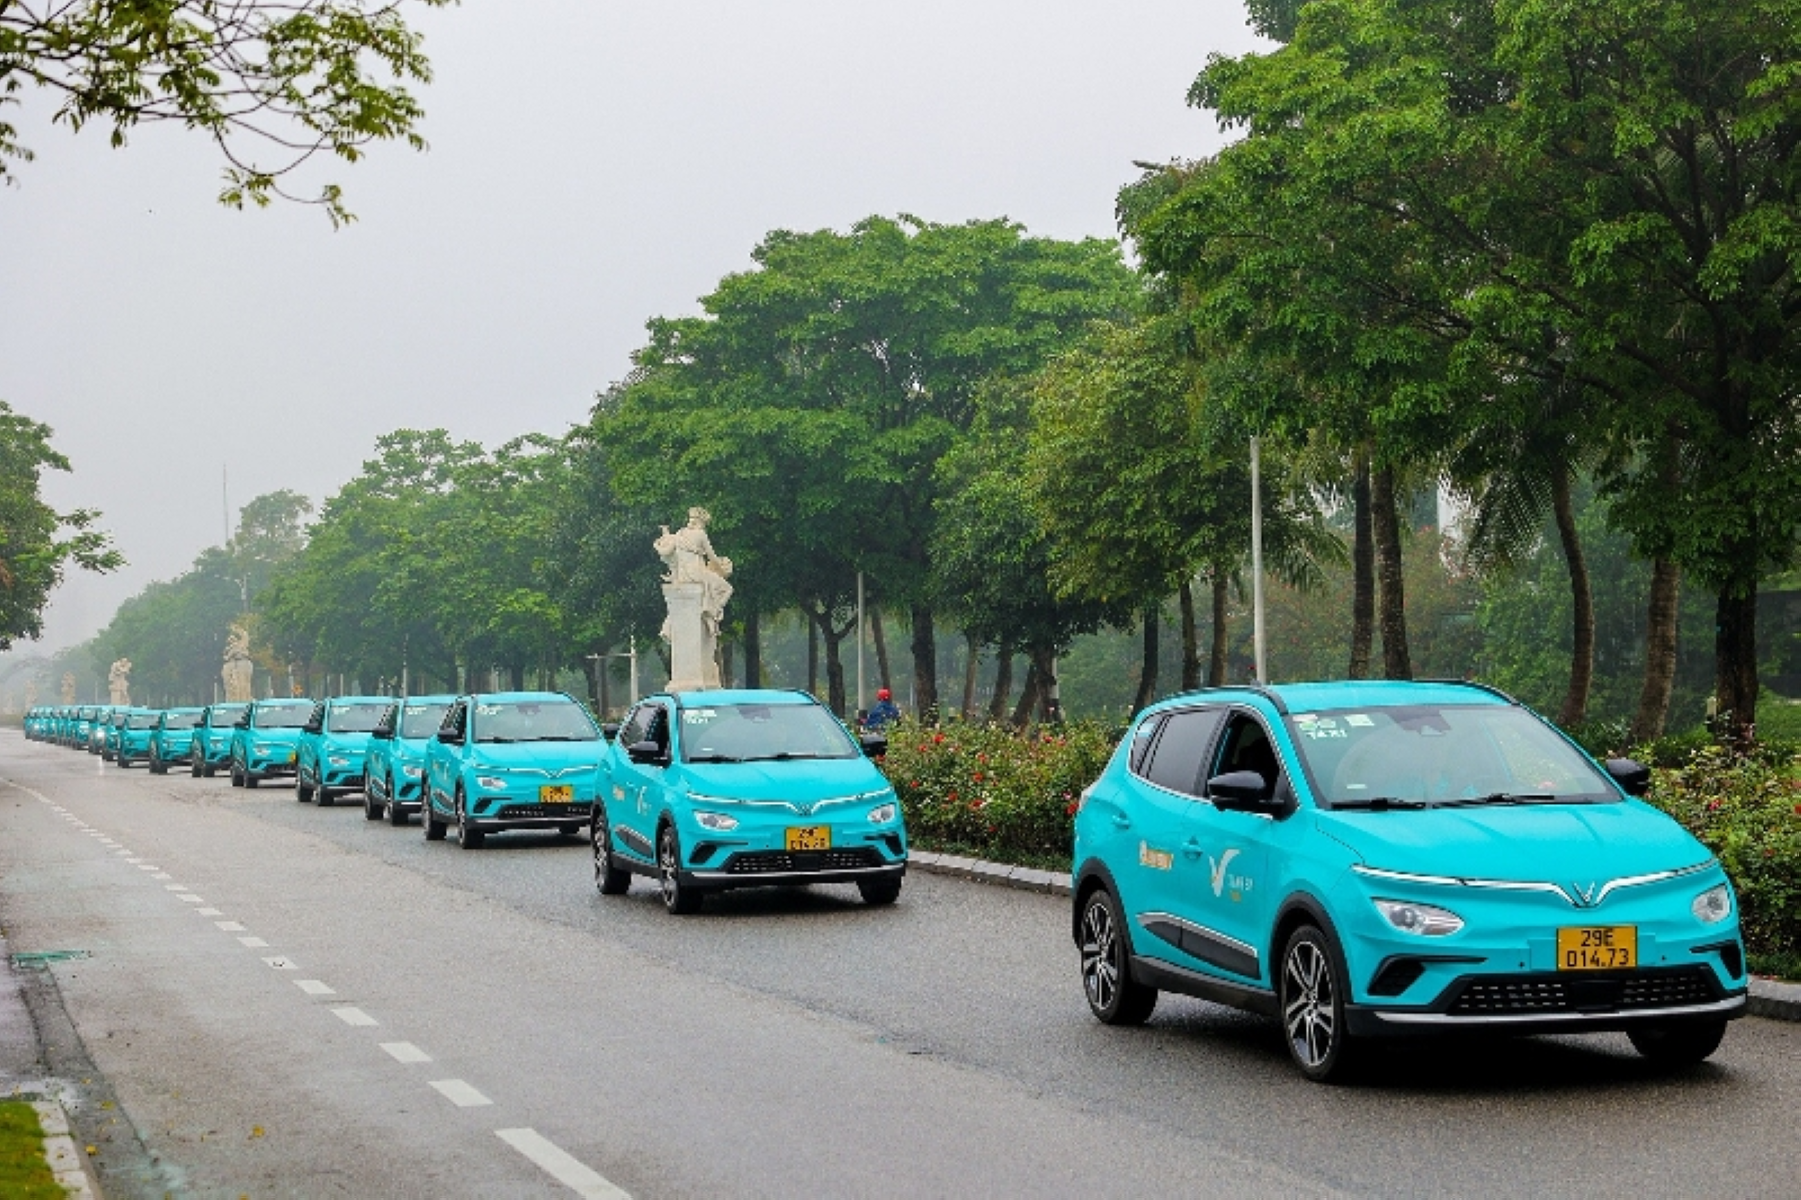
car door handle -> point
(1192, 848)
(1122, 821)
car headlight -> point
(1713, 905)
(717, 822)
(1423, 919)
(262, 748)
(337, 760)
(410, 771)
(491, 782)
(882, 815)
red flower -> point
(1072, 809)
(937, 737)
(978, 777)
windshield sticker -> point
(1315, 733)
(698, 716)
(1359, 719)
(487, 710)
(1156, 860)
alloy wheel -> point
(1309, 1004)
(1100, 955)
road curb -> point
(1769, 998)
(66, 1161)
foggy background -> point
(593, 163)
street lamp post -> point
(1257, 562)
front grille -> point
(546, 812)
(1528, 994)
(782, 862)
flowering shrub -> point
(995, 791)
(1747, 810)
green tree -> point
(37, 543)
(274, 85)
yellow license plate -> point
(810, 837)
(290, 756)
(1597, 948)
(556, 793)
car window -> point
(533, 721)
(143, 720)
(1246, 747)
(225, 714)
(762, 732)
(282, 715)
(456, 720)
(1142, 739)
(180, 720)
(354, 718)
(1181, 749)
(632, 731)
(422, 720)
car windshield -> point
(761, 732)
(422, 720)
(534, 721)
(1433, 755)
(142, 720)
(180, 720)
(283, 716)
(354, 718)
(226, 714)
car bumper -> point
(1550, 1002)
(530, 816)
(269, 766)
(739, 867)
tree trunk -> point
(1660, 652)
(1147, 668)
(822, 630)
(725, 664)
(595, 670)
(753, 650)
(925, 664)
(1363, 570)
(1216, 662)
(1582, 605)
(1391, 597)
(1735, 664)
(1028, 696)
(970, 667)
(515, 671)
(1191, 642)
(881, 647)
(1050, 700)
(1003, 680)
(812, 653)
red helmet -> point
(884, 694)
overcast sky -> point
(593, 163)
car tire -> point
(324, 797)
(609, 880)
(237, 776)
(679, 900)
(1311, 992)
(468, 836)
(1681, 1045)
(428, 818)
(879, 892)
(371, 808)
(1114, 997)
(208, 771)
(251, 779)
(396, 814)
(157, 766)
(194, 768)
(302, 793)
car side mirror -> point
(646, 751)
(874, 745)
(1633, 777)
(450, 737)
(609, 730)
(241, 723)
(312, 727)
(1240, 791)
(381, 734)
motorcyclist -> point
(885, 712)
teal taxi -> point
(173, 739)
(211, 743)
(510, 760)
(265, 740)
(1365, 861)
(705, 791)
(130, 733)
(394, 772)
(333, 745)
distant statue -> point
(31, 692)
(69, 687)
(118, 681)
(696, 591)
(238, 668)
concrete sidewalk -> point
(25, 1076)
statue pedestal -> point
(693, 661)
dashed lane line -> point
(315, 987)
(279, 963)
(406, 1052)
(562, 1166)
(255, 943)
(460, 1093)
(230, 926)
(352, 1015)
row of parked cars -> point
(1361, 861)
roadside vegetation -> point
(24, 1174)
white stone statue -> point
(118, 680)
(69, 687)
(696, 591)
(31, 692)
(238, 668)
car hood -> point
(1550, 842)
(273, 735)
(356, 742)
(804, 781)
(553, 757)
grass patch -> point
(24, 1175)
(1782, 966)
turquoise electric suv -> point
(130, 734)
(394, 772)
(265, 739)
(333, 744)
(173, 740)
(211, 747)
(510, 760)
(1371, 860)
(726, 789)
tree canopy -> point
(37, 543)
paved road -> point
(779, 1044)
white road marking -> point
(190, 898)
(148, 867)
(352, 1015)
(162, 875)
(173, 887)
(209, 912)
(562, 1166)
(282, 964)
(315, 987)
(406, 1052)
(255, 943)
(230, 926)
(124, 854)
(460, 1093)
